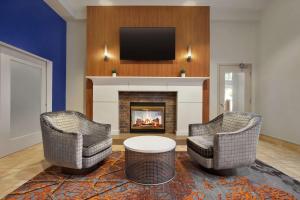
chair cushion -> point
(88, 162)
(234, 121)
(202, 144)
(95, 143)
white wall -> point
(232, 42)
(76, 60)
(278, 80)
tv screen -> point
(147, 43)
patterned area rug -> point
(191, 183)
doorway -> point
(24, 95)
(234, 88)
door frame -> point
(9, 53)
(5, 49)
(218, 81)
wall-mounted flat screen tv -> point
(147, 43)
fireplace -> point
(183, 98)
(147, 117)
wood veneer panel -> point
(205, 113)
(89, 99)
(192, 28)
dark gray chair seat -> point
(93, 144)
(202, 145)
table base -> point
(150, 168)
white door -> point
(23, 99)
(234, 88)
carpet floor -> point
(191, 182)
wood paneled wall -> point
(192, 28)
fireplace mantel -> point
(189, 97)
(146, 80)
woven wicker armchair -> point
(73, 142)
(228, 141)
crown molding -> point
(61, 9)
(68, 12)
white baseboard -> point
(115, 132)
(182, 133)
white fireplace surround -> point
(106, 97)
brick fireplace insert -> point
(147, 117)
(146, 99)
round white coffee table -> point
(150, 159)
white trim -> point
(182, 132)
(61, 9)
(49, 85)
(147, 80)
(23, 51)
(4, 102)
(115, 132)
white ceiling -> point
(220, 9)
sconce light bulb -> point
(105, 53)
(189, 54)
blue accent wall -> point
(33, 26)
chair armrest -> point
(91, 127)
(62, 148)
(211, 127)
(235, 149)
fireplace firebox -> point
(147, 117)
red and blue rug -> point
(191, 183)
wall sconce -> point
(106, 56)
(189, 54)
